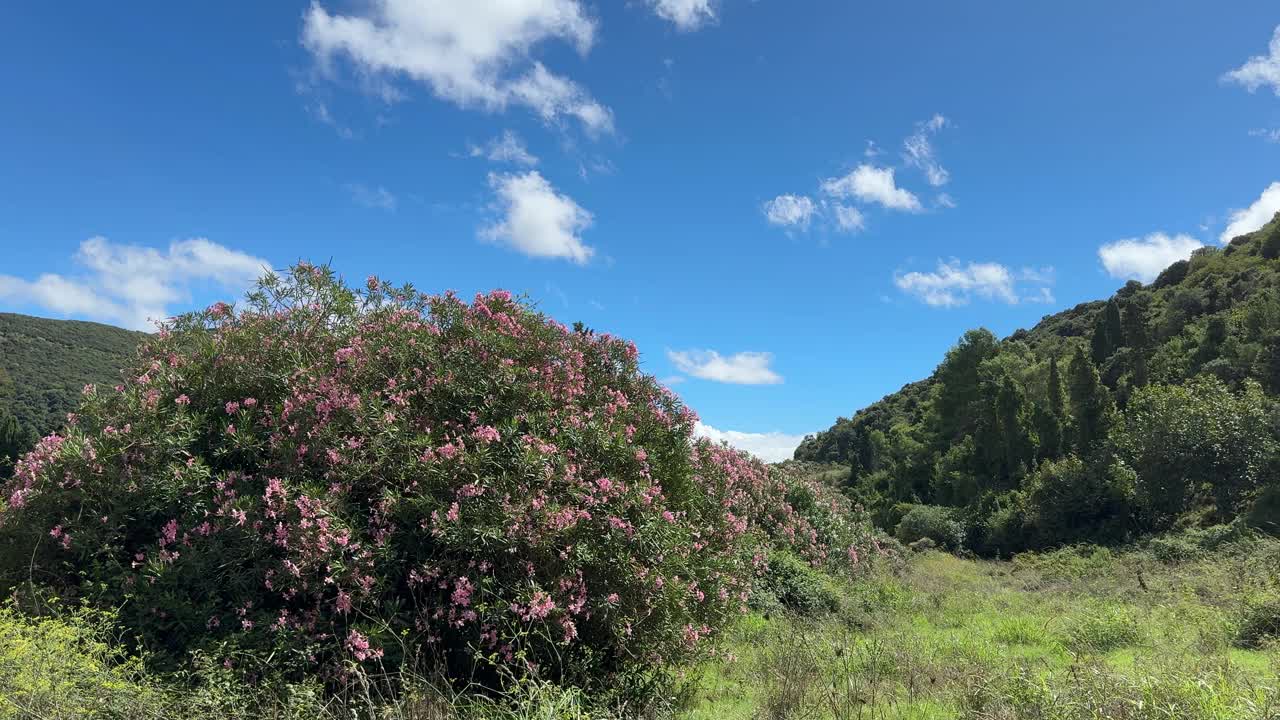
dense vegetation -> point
(1151, 410)
(335, 483)
(43, 366)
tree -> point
(1108, 333)
(959, 383)
(1057, 398)
(1091, 405)
(13, 441)
(1134, 323)
(1197, 444)
(1018, 438)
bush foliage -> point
(382, 477)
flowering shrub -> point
(380, 476)
(331, 476)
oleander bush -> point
(379, 477)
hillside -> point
(977, 434)
(44, 365)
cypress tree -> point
(1057, 402)
(1090, 403)
(1108, 333)
(12, 441)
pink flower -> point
(232, 407)
(359, 646)
(183, 400)
(462, 589)
(486, 434)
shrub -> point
(1260, 624)
(933, 522)
(384, 477)
(1264, 514)
(1191, 544)
(795, 585)
(1006, 530)
(1069, 502)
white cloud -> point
(372, 197)
(1268, 135)
(919, 153)
(769, 447)
(685, 14)
(744, 368)
(1145, 258)
(869, 183)
(790, 211)
(1260, 70)
(955, 283)
(536, 220)
(134, 286)
(507, 148)
(321, 113)
(1255, 216)
(474, 54)
(849, 219)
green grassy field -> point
(1172, 631)
(1072, 634)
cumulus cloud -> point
(918, 151)
(1255, 216)
(790, 211)
(473, 54)
(507, 148)
(536, 220)
(1260, 70)
(372, 197)
(132, 285)
(869, 183)
(685, 14)
(769, 447)
(744, 368)
(955, 283)
(1144, 258)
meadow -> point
(1179, 628)
(1170, 630)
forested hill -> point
(1001, 424)
(44, 365)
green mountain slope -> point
(980, 432)
(44, 365)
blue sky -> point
(792, 207)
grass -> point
(1078, 633)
